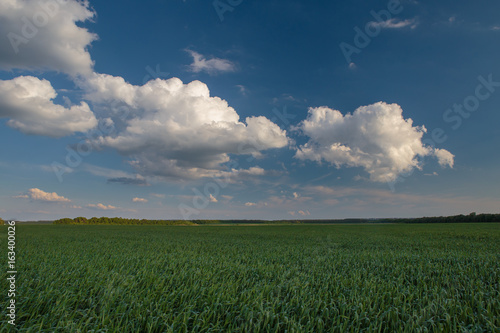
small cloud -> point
(75, 207)
(304, 213)
(431, 174)
(352, 66)
(250, 204)
(252, 171)
(395, 23)
(142, 200)
(291, 213)
(157, 195)
(227, 197)
(129, 181)
(243, 89)
(445, 158)
(288, 97)
(452, 19)
(495, 28)
(36, 194)
(295, 195)
(101, 206)
(212, 198)
(210, 66)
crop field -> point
(313, 278)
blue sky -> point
(248, 109)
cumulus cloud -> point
(100, 206)
(172, 129)
(36, 194)
(250, 204)
(45, 35)
(141, 200)
(210, 66)
(212, 199)
(375, 137)
(28, 102)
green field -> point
(332, 278)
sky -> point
(239, 109)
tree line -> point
(471, 218)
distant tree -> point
(81, 220)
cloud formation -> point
(28, 102)
(101, 206)
(172, 129)
(394, 23)
(375, 137)
(36, 194)
(142, 200)
(44, 35)
(210, 66)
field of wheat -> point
(314, 278)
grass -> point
(333, 278)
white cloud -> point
(250, 204)
(395, 23)
(252, 171)
(304, 213)
(100, 206)
(210, 66)
(39, 195)
(141, 200)
(44, 35)
(375, 137)
(445, 158)
(212, 198)
(27, 102)
(178, 130)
